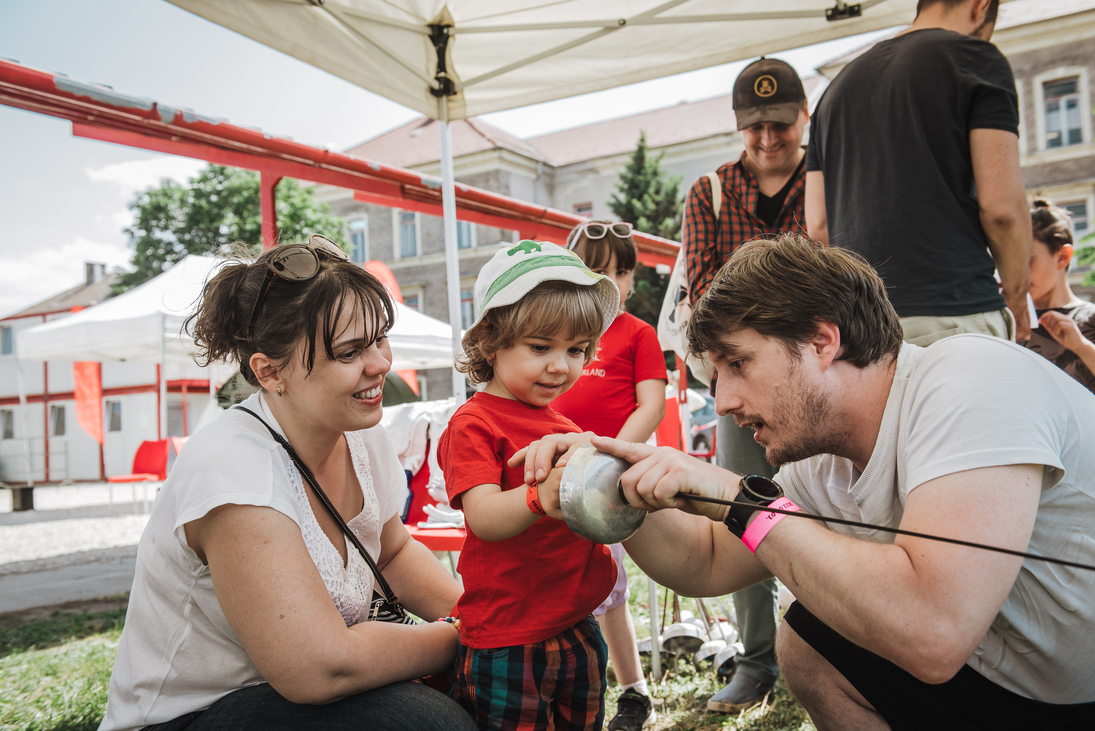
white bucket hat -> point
(514, 272)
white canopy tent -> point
(145, 325)
(451, 59)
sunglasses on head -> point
(594, 230)
(294, 263)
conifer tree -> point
(648, 197)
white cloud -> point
(33, 275)
(141, 174)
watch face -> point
(762, 487)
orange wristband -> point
(532, 498)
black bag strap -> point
(306, 473)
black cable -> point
(899, 531)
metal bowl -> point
(589, 496)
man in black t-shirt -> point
(914, 163)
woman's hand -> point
(663, 477)
(552, 451)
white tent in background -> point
(145, 325)
(451, 59)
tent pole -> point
(452, 261)
(163, 376)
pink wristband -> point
(764, 522)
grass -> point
(681, 695)
(55, 668)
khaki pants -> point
(925, 330)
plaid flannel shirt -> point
(708, 244)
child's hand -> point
(1064, 330)
(552, 451)
(547, 493)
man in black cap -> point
(914, 164)
(759, 194)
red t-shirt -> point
(604, 397)
(533, 586)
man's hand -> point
(663, 477)
(552, 451)
(1021, 313)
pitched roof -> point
(663, 127)
(1012, 14)
(1021, 12)
(417, 142)
(83, 295)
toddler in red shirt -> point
(532, 657)
(621, 394)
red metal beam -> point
(98, 112)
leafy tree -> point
(1085, 256)
(217, 207)
(648, 197)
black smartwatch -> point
(756, 490)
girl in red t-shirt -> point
(532, 657)
(620, 394)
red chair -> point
(149, 464)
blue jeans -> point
(403, 706)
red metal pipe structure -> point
(100, 113)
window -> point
(412, 302)
(359, 240)
(467, 308)
(7, 347)
(7, 424)
(464, 235)
(1062, 109)
(57, 421)
(113, 416)
(584, 209)
(408, 235)
(1078, 212)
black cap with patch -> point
(768, 90)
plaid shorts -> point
(557, 684)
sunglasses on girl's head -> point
(594, 231)
(294, 263)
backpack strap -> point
(716, 193)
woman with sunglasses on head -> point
(250, 608)
(620, 394)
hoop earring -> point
(279, 391)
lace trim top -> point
(350, 586)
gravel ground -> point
(70, 525)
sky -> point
(63, 200)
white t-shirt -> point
(972, 401)
(177, 653)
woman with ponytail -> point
(1066, 323)
(250, 608)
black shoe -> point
(634, 711)
(742, 692)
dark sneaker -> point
(634, 711)
(742, 692)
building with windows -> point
(46, 432)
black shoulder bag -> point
(384, 608)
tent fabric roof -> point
(130, 327)
(503, 54)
